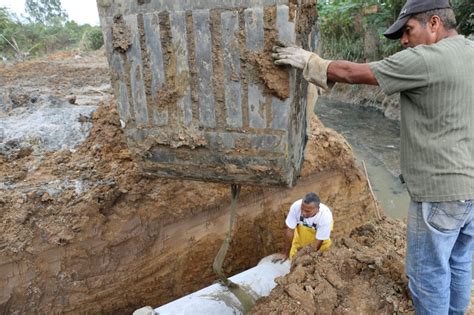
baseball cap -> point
(410, 8)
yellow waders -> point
(304, 236)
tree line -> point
(350, 29)
(44, 29)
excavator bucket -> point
(197, 92)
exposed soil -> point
(120, 35)
(362, 274)
(276, 79)
(109, 239)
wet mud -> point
(362, 274)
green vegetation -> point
(465, 16)
(44, 11)
(46, 29)
(352, 29)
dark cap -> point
(410, 8)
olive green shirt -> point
(436, 85)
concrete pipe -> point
(218, 299)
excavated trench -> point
(141, 249)
(127, 240)
(85, 231)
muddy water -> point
(375, 141)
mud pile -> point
(362, 274)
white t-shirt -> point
(322, 221)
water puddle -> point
(375, 142)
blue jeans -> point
(440, 244)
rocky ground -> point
(84, 231)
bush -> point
(353, 29)
(93, 39)
(465, 16)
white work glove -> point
(294, 56)
(314, 67)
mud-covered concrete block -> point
(198, 94)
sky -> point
(81, 11)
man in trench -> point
(308, 222)
(434, 76)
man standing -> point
(434, 77)
(308, 222)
